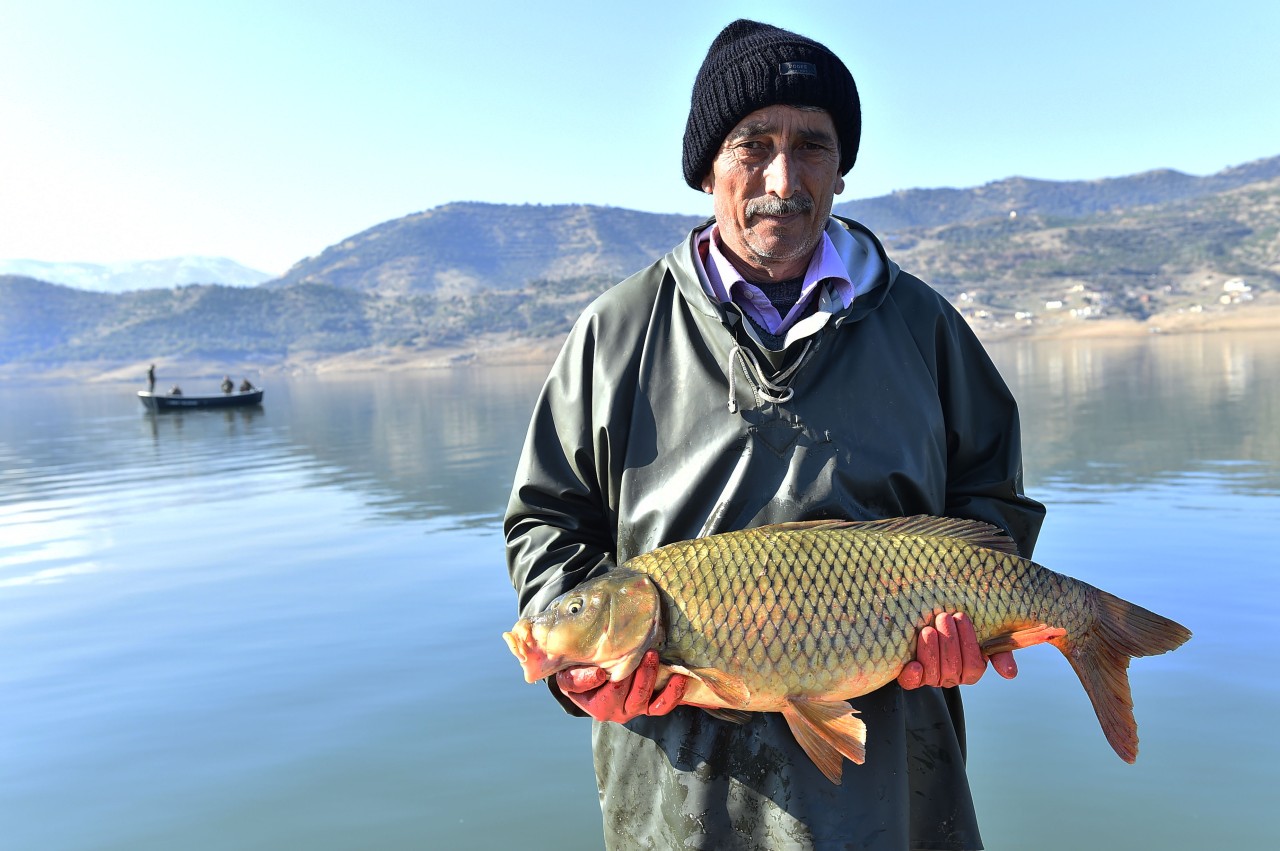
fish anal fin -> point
(725, 686)
(1020, 638)
(828, 730)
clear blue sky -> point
(266, 131)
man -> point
(775, 366)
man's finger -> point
(927, 656)
(1005, 665)
(973, 664)
(911, 675)
(580, 679)
(949, 660)
(637, 700)
(606, 702)
(670, 696)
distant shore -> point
(1262, 315)
(497, 351)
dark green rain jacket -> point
(895, 410)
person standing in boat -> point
(227, 384)
(151, 378)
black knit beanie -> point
(752, 65)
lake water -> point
(279, 628)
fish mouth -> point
(534, 661)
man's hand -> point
(948, 654)
(589, 688)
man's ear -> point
(709, 184)
(839, 184)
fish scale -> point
(816, 603)
(799, 617)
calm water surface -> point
(280, 628)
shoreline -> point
(1261, 315)
(498, 351)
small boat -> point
(178, 402)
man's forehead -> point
(779, 117)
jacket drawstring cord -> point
(776, 391)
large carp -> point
(797, 617)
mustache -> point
(771, 205)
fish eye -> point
(574, 606)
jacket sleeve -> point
(559, 531)
(984, 438)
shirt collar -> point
(726, 284)
(723, 275)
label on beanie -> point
(804, 69)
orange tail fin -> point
(1101, 657)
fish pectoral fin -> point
(827, 730)
(732, 690)
(1020, 638)
(733, 716)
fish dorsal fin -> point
(806, 526)
(973, 532)
(732, 690)
(828, 730)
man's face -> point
(773, 182)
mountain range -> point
(458, 248)
(1014, 255)
(137, 275)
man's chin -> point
(783, 245)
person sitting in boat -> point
(175, 390)
(227, 385)
(246, 387)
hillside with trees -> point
(1016, 257)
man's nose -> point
(780, 176)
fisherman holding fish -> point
(775, 366)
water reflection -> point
(235, 420)
(1123, 411)
(444, 443)
(429, 444)
(1096, 412)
